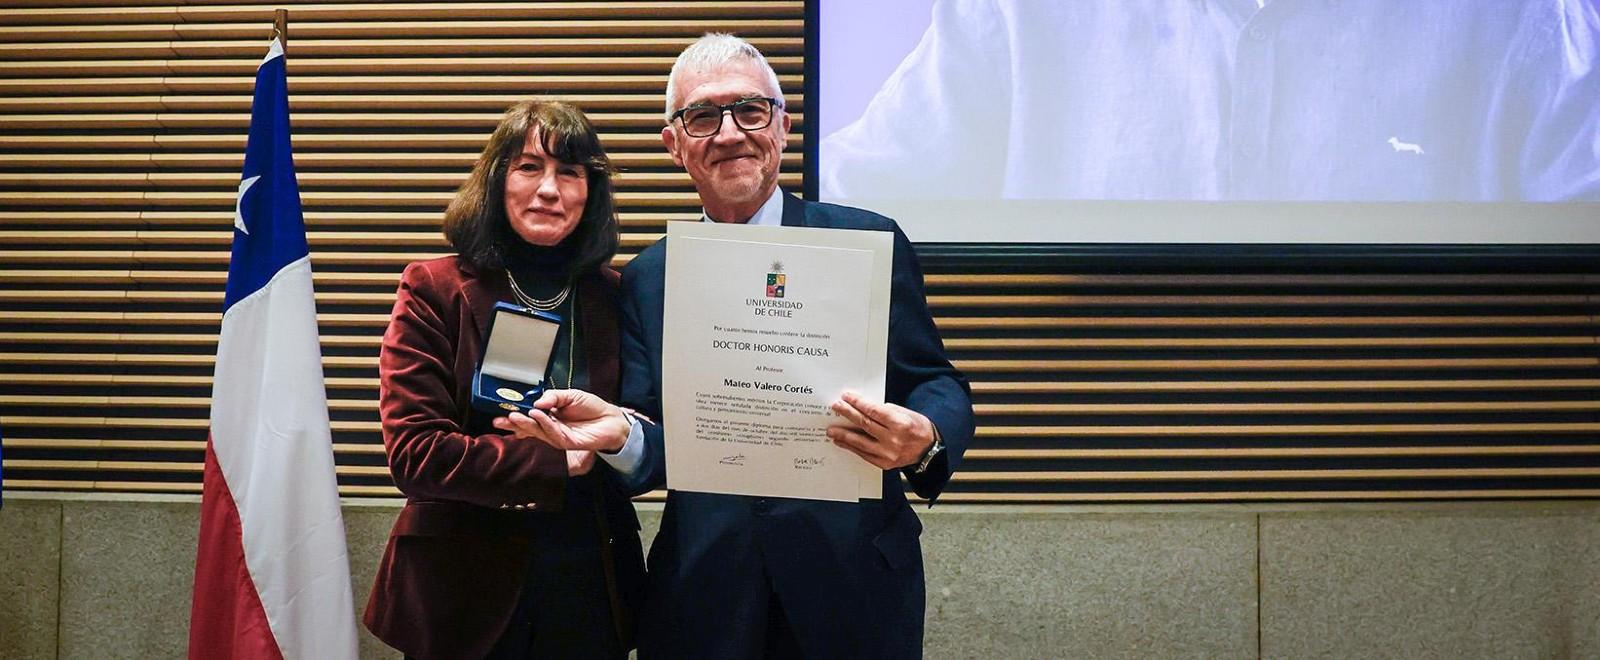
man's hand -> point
(573, 420)
(886, 435)
(579, 463)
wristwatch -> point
(933, 452)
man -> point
(743, 577)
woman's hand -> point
(573, 420)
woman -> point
(508, 547)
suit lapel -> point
(599, 328)
(492, 288)
(794, 211)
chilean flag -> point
(272, 575)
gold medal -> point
(510, 395)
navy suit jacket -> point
(847, 575)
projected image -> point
(1200, 100)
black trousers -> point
(565, 607)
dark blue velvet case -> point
(517, 352)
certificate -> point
(764, 327)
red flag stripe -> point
(226, 619)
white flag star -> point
(238, 204)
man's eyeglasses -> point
(705, 119)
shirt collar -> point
(769, 215)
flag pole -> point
(280, 28)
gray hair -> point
(713, 50)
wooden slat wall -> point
(122, 133)
(121, 137)
(1276, 387)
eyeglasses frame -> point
(724, 110)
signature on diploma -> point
(808, 463)
(736, 459)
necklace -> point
(548, 305)
(534, 303)
(572, 337)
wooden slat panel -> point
(420, 29)
(1272, 496)
(95, 443)
(346, 66)
(1274, 452)
(103, 277)
(310, 143)
(1065, 366)
(1242, 387)
(1251, 300)
(193, 11)
(469, 122)
(171, 318)
(312, 200)
(1012, 344)
(99, 381)
(1227, 321)
(955, 497)
(399, 161)
(157, 423)
(976, 367)
(1286, 430)
(158, 360)
(181, 402)
(601, 46)
(1411, 407)
(1272, 475)
(310, 182)
(314, 219)
(1298, 407)
(635, 90)
(157, 466)
(1275, 280)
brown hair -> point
(475, 222)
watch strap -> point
(933, 452)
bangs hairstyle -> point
(475, 222)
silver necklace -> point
(535, 303)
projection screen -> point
(1213, 121)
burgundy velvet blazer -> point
(458, 554)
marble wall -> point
(100, 576)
